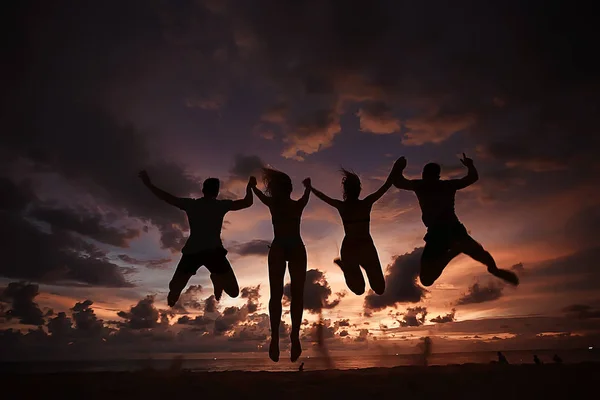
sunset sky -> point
(96, 91)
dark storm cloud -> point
(400, 283)
(377, 117)
(59, 256)
(21, 296)
(85, 318)
(60, 327)
(412, 52)
(413, 316)
(141, 316)
(257, 247)
(582, 311)
(84, 224)
(316, 292)
(246, 166)
(211, 304)
(59, 115)
(200, 322)
(152, 264)
(231, 317)
(252, 295)
(190, 298)
(443, 319)
(580, 267)
(478, 293)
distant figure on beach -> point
(301, 367)
(204, 246)
(501, 358)
(358, 249)
(446, 236)
(557, 359)
(287, 247)
(537, 360)
(425, 346)
(320, 337)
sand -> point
(473, 381)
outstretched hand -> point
(400, 164)
(252, 181)
(307, 183)
(144, 177)
(467, 162)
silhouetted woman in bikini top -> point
(287, 246)
(358, 248)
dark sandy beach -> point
(473, 381)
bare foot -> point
(506, 275)
(217, 285)
(172, 298)
(296, 348)
(274, 349)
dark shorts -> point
(214, 260)
(446, 235)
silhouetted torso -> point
(285, 216)
(356, 216)
(205, 216)
(436, 199)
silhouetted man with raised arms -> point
(446, 237)
(204, 246)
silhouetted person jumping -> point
(204, 245)
(446, 237)
(358, 249)
(287, 246)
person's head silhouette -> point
(210, 188)
(431, 172)
(351, 184)
(277, 184)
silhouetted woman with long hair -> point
(287, 246)
(358, 248)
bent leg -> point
(276, 275)
(297, 266)
(186, 268)
(436, 256)
(369, 259)
(349, 263)
(475, 250)
(223, 277)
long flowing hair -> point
(351, 184)
(276, 183)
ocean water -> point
(261, 362)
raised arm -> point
(304, 199)
(161, 194)
(261, 196)
(246, 201)
(332, 202)
(471, 177)
(373, 197)
(398, 178)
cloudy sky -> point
(96, 91)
